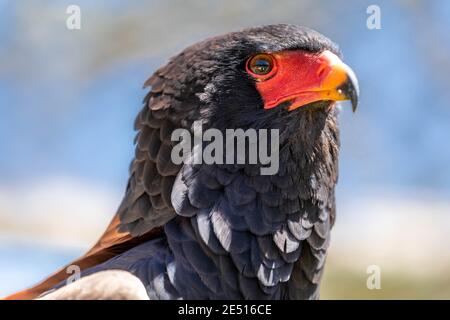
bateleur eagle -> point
(225, 231)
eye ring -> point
(261, 66)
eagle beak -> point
(339, 83)
(304, 78)
(350, 88)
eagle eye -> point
(260, 65)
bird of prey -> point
(225, 231)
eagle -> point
(224, 230)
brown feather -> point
(110, 244)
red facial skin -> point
(302, 77)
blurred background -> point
(68, 99)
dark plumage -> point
(227, 232)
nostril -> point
(321, 70)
